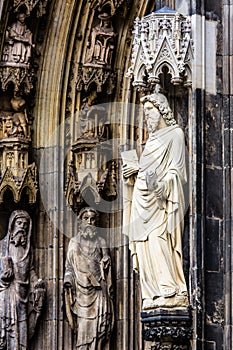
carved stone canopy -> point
(100, 4)
(29, 5)
(16, 175)
(161, 39)
(91, 170)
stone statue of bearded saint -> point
(154, 215)
(21, 292)
(88, 285)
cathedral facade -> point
(75, 77)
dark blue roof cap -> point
(165, 10)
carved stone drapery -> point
(161, 39)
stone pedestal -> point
(167, 329)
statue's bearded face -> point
(152, 116)
(88, 231)
(19, 232)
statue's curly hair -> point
(88, 209)
(160, 101)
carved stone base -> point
(167, 329)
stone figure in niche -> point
(101, 45)
(17, 124)
(18, 42)
(93, 119)
(21, 292)
(88, 285)
(156, 213)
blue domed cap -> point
(165, 10)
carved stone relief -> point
(15, 60)
(100, 4)
(88, 285)
(91, 168)
(16, 174)
(22, 294)
(40, 5)
(167, 329)
(18, 43)
(98, 62)
(161, 39)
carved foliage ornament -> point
(161, 39)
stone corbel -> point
(167, 329)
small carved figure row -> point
(15, 125)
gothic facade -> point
(72, 74)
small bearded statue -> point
(88, 285)
(20, 289)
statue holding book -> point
(154, 205)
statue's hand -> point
(106, 260)
(68, 286)
(104, 264)
(39, 284)
(135, 263)
(7, 275)
(159, 190)
(39, 293)
(128, 170)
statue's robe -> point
(156, 225)
(89, 307)
(21, 50)
(14, 293)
